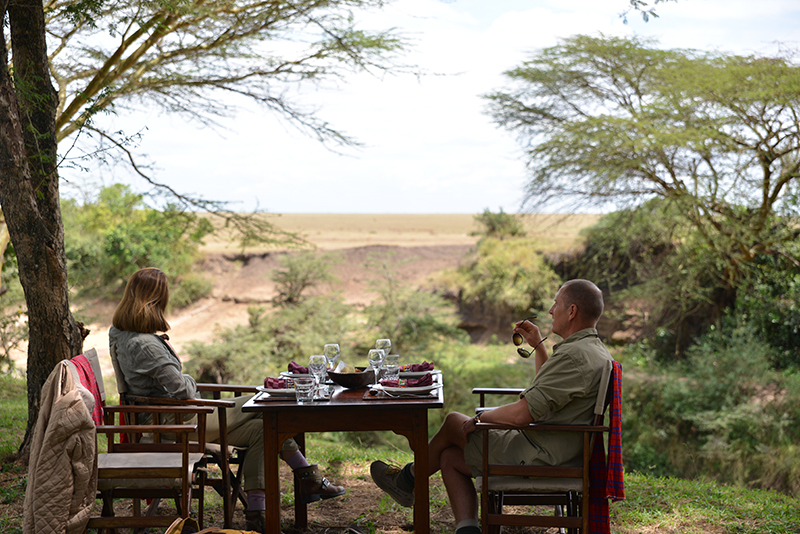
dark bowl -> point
(353, 380)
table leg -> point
(300, 507)
(272, 488)
(422, 520)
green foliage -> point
(609, 118)
(649, 259)
(248, 354)
(300, 272)
(723, 414)
(413, 319)
(506, 279)
(499, 225)
(770, 301)
(109, 238)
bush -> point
(505, 281)
(723, 413)
(110, 238)
(300, 272)
(650, 261)
(499, 225)
(770, 302)
(413, 319)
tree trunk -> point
(30, 198)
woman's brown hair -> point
(144, 302)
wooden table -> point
(347, 410)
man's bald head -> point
(586, 296)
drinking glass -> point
(304, 389)
(385, 344)
(318, 364)
(391, 367)
(331, 352)
(375, 357)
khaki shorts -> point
(505, 447)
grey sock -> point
(469, 530)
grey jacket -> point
(150, 366)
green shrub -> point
(770, 302)
(111, 237)
(499, 225)
(723, 413)
(648, 260)
(505, 280)
(300, 272)
(412, 318)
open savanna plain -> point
(419, 246)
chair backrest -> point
(94, 360)
(122, 387)
(603, 393)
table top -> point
(349, 398)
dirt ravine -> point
(241, 281)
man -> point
(563, 392)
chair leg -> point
(573, 506)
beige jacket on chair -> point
(62, 469)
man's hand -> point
(467, 428)
(529, 331)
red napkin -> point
(423, 381)
(417, 367)
(297, 369)
(276, 383)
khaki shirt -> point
(564, 391)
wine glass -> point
(318, 364)
(385, 344)
(331, 352)
(375, 357)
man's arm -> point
(516, 414)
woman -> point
(150, 367)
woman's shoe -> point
(314, 486)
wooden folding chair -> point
(159, 467)
(228, 458)
(565, 487)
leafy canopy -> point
(620, 120)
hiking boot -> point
(254, 520)
(388, 478)
(314, 486)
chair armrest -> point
(123, 429)
(149, 401)
(151, 408)
(542, 427)
(494, 391)
(236, 389)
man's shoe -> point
(314, 486)
(387, 478)
(254, 520)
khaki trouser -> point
(246, 429)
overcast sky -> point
(429, 146)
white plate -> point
(417, 374)
(282, 392)
(421, 389)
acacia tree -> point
(172, 53)
(619, 120)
